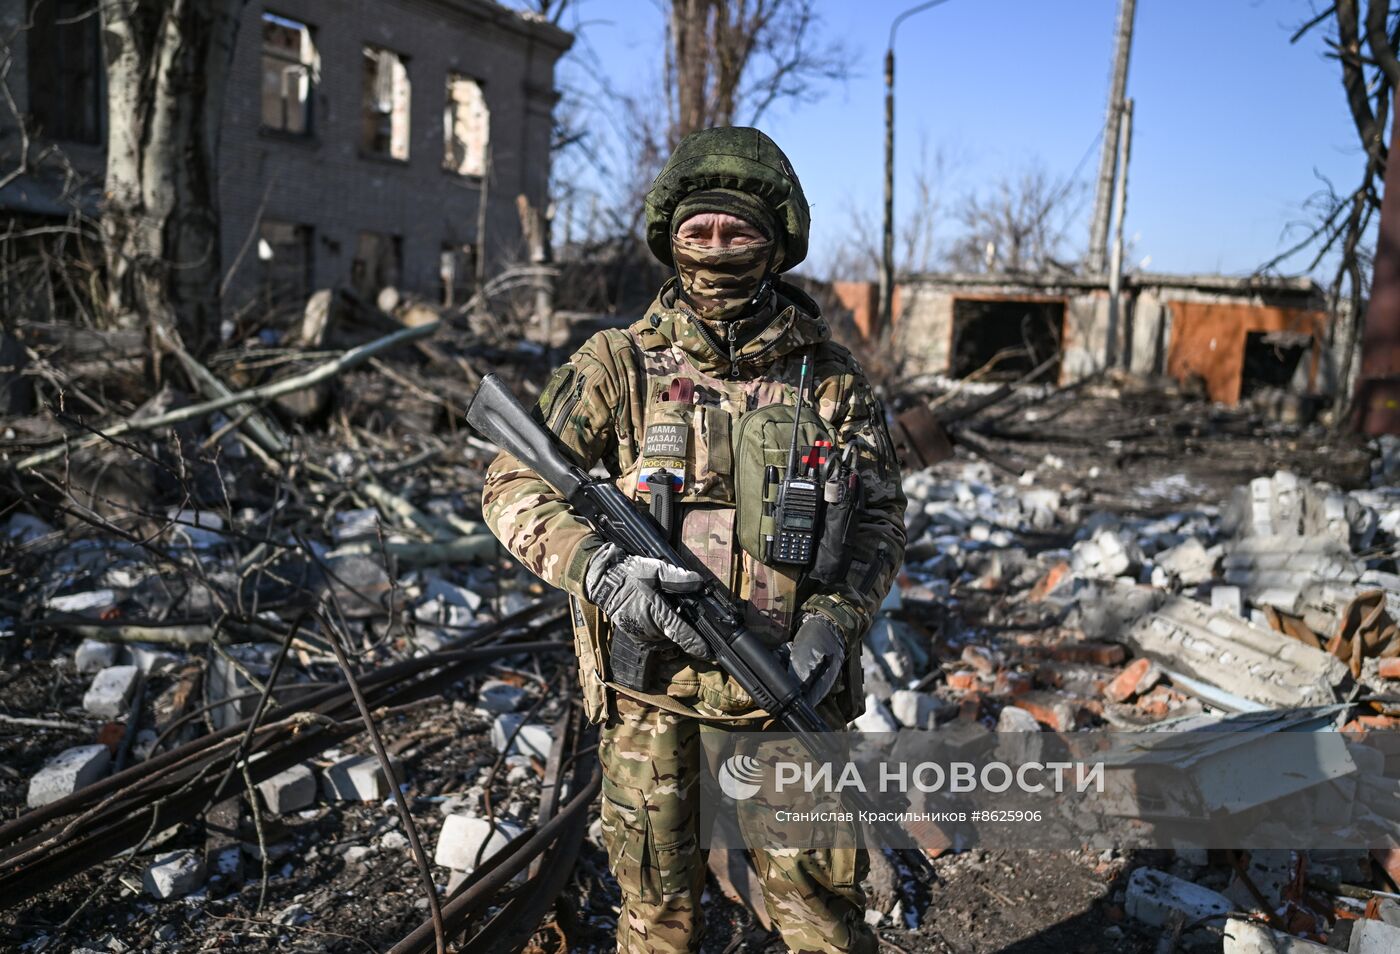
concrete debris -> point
(1274, 571)
(1105, 556)
(67, 772)
(498, 696)
(511, 734)
(88, 603)
(919, 710)
(1374, 937)
(1235, 655)
(1189, 563)
(357, 778)
(151, 659)
(290, 790)
(1251, 937)
(110, 691)
(174, 875)
(466, 841)
(1156, 898)
(92, 655)
(877, 717)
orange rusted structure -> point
(1208, 341)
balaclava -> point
(721, 284)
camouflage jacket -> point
(601, 403)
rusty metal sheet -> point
(920, 439)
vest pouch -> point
(761, 439)
(692, 443)
(837, 543)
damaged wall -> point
(1185, 326)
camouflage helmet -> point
(738, 158)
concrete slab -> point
(67, 772)
(110, 691)
(289, 791)
(174, 875)
(465, 837)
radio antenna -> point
(797, 417)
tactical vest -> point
(715, 435)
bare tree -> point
(1018, 226)
(167, 64)
(923, 222)
(731, 60)
(1366, 50)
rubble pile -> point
(1027, 605)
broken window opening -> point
(466, 127)
(284, 251)
(457, 274)
(65, 71)
(377, 265)
(384, 129)
(290, 71)
(1013, 337)
(1272, 360)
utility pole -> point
(1120, 348)
(1103, 191)
(887, 238)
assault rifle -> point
(500, 418)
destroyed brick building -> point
(379, 143)
(1230, 336)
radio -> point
(796, 496)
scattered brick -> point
(980, 658)
(962, 680)
(1390, 668)
(1012, 683)
(1140, 676)
(1050, 710)
(1052, 578)
(1099, 654)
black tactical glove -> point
(628, 590)
(816, 655)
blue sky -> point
(1232, 123)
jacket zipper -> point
(568, 406)
(733, 355)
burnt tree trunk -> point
(167, 66)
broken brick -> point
(1052, 579)
(980, 658)
(1141, 675)
(1160, 702)
(1050, 710)
(962, 680)
(1099, 654)
(1390, 668)
(1012, 683)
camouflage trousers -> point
(650, 818)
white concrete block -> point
(1227, 598)
(916, 710)
(174, 875)
(1249, 937)
(531, 739)
(498, 696)
(82, 602)
(1374, 937)
(110, 691)
(67, 772)
(1154, 897)
(92, 655)
(150, 658)
(357, 778)
(464, 837)
(290, 790)
(876, 717)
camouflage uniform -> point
(600, 404)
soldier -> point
(693, 402)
